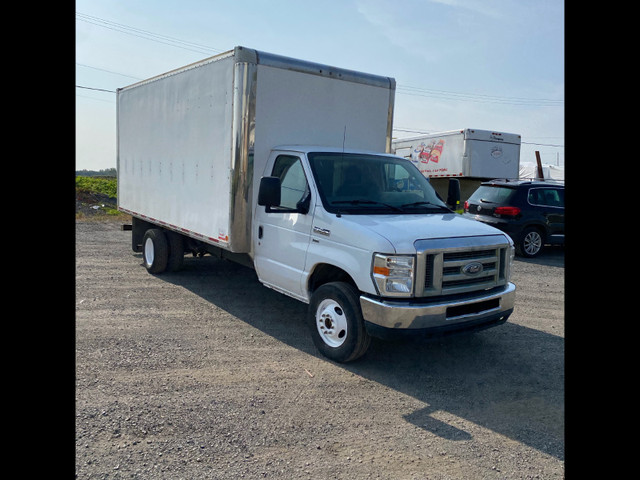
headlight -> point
(511, 251)
(393, 274)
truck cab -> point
(364, 240)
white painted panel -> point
(174, 144)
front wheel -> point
(336, 322)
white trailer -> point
(282, 165)
(471, 155)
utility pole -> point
(540, 173)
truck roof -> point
(319, 148)
(249, 55)
(515, 182)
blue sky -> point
(485, 64)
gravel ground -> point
(205, 374)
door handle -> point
(260, 231)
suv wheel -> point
(530, 243)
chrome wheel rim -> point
(532, 243)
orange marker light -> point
(381, 270)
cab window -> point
(293, 183)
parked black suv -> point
(531, 212)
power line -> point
(136, 32)
(108, 71)
(479, 98)
(543, 144)
(96, 89)
(398, 129)
(409, 130)
(401, 89)
(97, 99)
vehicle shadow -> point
(509, 379)
(552, 255)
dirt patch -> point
(206, 374)
(97, 206)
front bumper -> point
(384, 318)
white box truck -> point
(281, 164)
(471, 155)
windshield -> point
(361, 184)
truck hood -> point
(403, 230)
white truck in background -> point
(281, 165)
(473, 156)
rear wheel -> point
(336, 322)
(176, 251)
(531, 242)
(155, 251)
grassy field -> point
(104, 185)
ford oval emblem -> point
(472, 268)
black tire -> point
(531, 242)
(335, 311)
(176, 251)
(155, 251)
(138, 229)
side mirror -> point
(269, 193)
(453, 195)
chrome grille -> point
(450, 266)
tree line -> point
(109, 172)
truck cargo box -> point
(463, 153)
(193, 143)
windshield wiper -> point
(367, 202)
(425, 203)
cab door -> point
(283, 232)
